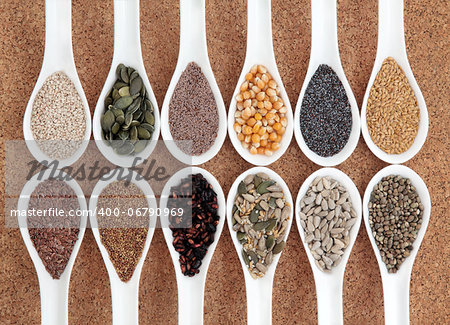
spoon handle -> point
(391, 33)
(396, 300)
(190, 300)
(58, 33)
(259, 300)
(127, 39)
(54, 302)
(259, 31)
(192, 30)
(324, 42)
(125, 302)
(329, 299)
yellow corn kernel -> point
(273, 136)
(277, 126)
(281, 131)
(271, 122)
(279, 138)
(237, 127)
(256, 128)
(265, 136)
(246, 94)
(258, 116)
(245, 144)
(275, 146)
(265, 78)
(253, 150)
(240, 105)
(283, 110)
(239, 98)
(254, 69)
(248, 138)
(270, 92)
(256, 138)
(263, 111)
(247, 130)
(246, 113)
(241, 121)
(249, 76)
(267, 105)
(251, 121)
(252, 94)
(284, 121)
(261, 84)
(272, 84)
(263, 143)
(254, 102)
(260, 96)
(247, 103)
(244, 86)
(270, 116)
(277, 105)
(268, 152)
(261, 151)
(241, 137)
(262, 69)
(256, 90)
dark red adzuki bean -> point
(192, 236)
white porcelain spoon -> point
(54, 292)
(260, 51)
(325, 50)
(259, 291)
(193, 48)
(396, 285)
(58, 56)
(125, 295)
(191, 289)
(329, 284)
(391, 43)
(127, 50)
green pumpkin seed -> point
(273, 202)
(278, 247)
(124, 135)
(272, 224)
(134, 133)
(119, 84)
(262, 188)
(108, 121)
(115, 94)
(124, 91)
(137, 115)
(148, 127)
(261, 225)
(134, 75)
(140, 146)
(143, 133)
(245, 257)
(143, 91)
(269, 241)
(124, 75)
(128, 119)
(119, 69)
(253, 256)
(108, 101)
(257, 180)
(120, 119)
(149, 118)
(135, 86)
(123, 102)
(126, 149)
(242, 189)
(134, 106)
(130, 71)
(240, 235)
(254, 215)
(149, 105)
(115, 128)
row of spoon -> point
(54, 293)
(58, 56)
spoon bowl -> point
(191, 289)
(193, 48)
(259, 291)
(127, 50)
(125, 303)
(58, 56)
(396, 285)
(54, 292)
(391, 43)
(260, 51)
(325, 50)
(329, 284)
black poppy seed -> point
(325, 114)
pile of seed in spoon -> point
(193, 229)
(327, 216)
(326, 114)
(52, 231)
(260, 218)
(129, 121)
(395, 217)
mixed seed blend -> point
(260, 218)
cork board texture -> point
(294, 300)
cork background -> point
(294, 299)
